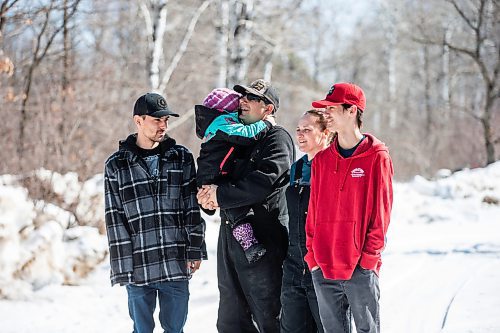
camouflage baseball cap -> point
(263, 89)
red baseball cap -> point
(343, 93)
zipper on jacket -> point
(299, 233)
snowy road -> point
(436, 293)
(429, 283)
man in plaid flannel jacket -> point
(155, 232)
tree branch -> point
(475, 58)
(462, 50)
(4, 8)
(158, 31)
(182, 48)
(55, 33)
(496, 71)
(147, 18)
(35, 58)
(462, 14)
(479, 38)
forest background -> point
(70, 71)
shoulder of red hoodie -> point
(370, 148)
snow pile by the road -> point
(461, 184)
(460, 197)
(83, 200)
(445, 205)
(86, 198)
(40, 243)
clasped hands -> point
(207, 197)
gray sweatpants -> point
(359, 295)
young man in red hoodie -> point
(349, 212)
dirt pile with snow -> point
(42, 243)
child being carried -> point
(217, 123)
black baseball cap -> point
(154, 105)
(263, 89)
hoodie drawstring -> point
(345, 175)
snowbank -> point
(40, 243)
(459, 198)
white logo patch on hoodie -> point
(357, 173)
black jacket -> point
(259, 179)
(295, 268)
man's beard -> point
(157, 137)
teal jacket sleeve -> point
(227, 127)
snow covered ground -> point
(441, 270)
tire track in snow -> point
(418, 299)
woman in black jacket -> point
(299, 312)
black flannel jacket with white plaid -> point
(153, 223)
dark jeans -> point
(173, 298)
(299, 310)
(248, 292)
(361, 293)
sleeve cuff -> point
(209, 212)
(122, 279)
(196, 255)
(369, 261)
(309, 259)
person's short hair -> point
(359, 114)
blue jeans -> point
(173, 298)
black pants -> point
(299, 312)
(249, 292)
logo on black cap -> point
(161, 102)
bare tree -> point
(77, 75)
(5, 6)
(6, 65)
(253, 33)
(476, 38)
(318, 38)
(44, 39)
(240, 39)
(222, 35)
(277, 39)
(155, 17)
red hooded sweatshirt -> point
(349, 209)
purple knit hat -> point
(222, 99)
